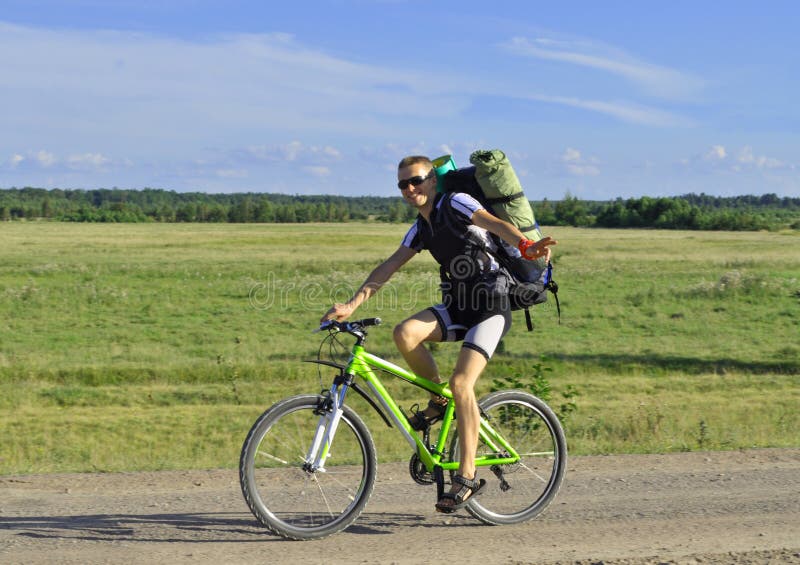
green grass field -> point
(135, 346)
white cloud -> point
(747, 158)
(571, 155)
(290, 152)
(389, 154)
(87, 161)
(318, 171)
(719, 158)
(716, 154)
(45, 158)
(166, 97)
(193, 89)
(578, 165)
(654, 79)
(231, 173)
(626, 112)
(331, 152)
(152, 104)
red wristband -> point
(523, 246)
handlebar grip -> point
(348, 327)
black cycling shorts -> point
(481, 329)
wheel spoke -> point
(285, 497)
(532, 429)
(272, 457)
(532, 472)
(322, 493)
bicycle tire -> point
(533, 430)
(283, 496)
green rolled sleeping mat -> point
(503, 191)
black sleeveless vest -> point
(461, 258)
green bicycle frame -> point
(361, 364)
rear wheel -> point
(283, 493)
(520, 491)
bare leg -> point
(469, 367)
(410, 337)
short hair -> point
(413, 160)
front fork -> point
(330, 409)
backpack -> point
(492, 181)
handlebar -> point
(355, 327)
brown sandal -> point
(469, 489)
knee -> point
(461, 386)
(405, 337)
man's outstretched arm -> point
(376, 279)
(511, 235)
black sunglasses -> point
(415, 181)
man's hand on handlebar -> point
(355, 327)
(338, 313)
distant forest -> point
(691, 211)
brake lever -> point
(323, 326)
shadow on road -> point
(136, 527)
(188, 528)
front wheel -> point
(281, 490)
(522, 490)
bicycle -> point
(308, 464)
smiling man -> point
(455, 228)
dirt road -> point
(719, 507)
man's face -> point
(418, 196)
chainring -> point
(418, 471)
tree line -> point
(691, 211)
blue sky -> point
(597, 99)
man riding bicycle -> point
(455, 228)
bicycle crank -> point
(418, 471)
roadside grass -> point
(132, 347)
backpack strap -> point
(473, 245)
(552, 286)
(528, 320)
(505, 199)
(526, 229)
